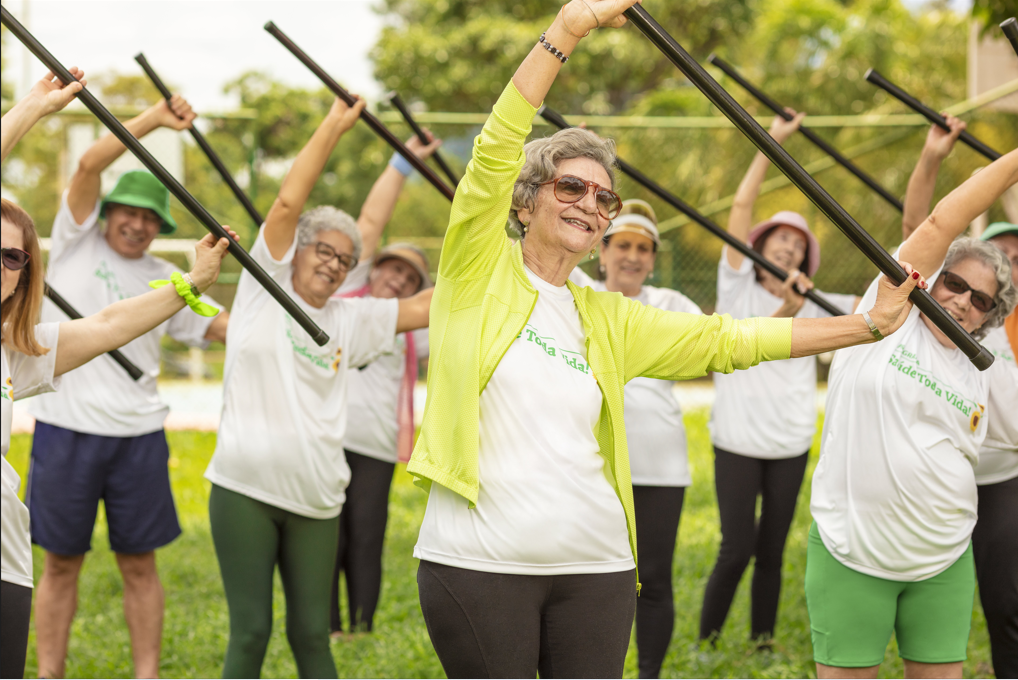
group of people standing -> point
(552, 448)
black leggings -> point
(657, 523)
(361, 536)
(486, 625)
(15, 612)
(739, 480)
(995, 548)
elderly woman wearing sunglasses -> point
(34, 355)
(528, 546)
(278, 473)
(894, 494)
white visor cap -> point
(637, 224)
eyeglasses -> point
(13, 258)
(959, 286)
(569, 189)
(326, 253)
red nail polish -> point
(915, 275)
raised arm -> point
(921, 184)
(740, 219)
(86, 183)
(414, 311)
(381, 201)
(84, 339)
(46, 96)
(281, 222)
(928, 244)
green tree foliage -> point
(991, 12)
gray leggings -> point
(486, 625)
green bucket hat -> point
(998, 229)
(141, 189)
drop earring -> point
(526, 227)
(592, 251)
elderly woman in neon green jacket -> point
(528, 547)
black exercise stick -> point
(398, 102)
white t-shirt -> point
(998, 459)
(285, 402)
(894, 494)
(655, 434)
(100, 397)
(768, 411)
(373, 389)
(545, 505)
(20, 376)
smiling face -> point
(130, 230)
(394, 278)
(11, 237)
(628, 259)
(558, 229)
(315, 280)
(1009, 244)
(959, 305)
(786, 247)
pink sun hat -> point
(788, 218)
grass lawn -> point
(196, 628)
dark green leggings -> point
(251, 537)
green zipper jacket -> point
(483, 299)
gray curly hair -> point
(543, 156)
(326, 218)
(966, 248)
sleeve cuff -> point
(775, 338)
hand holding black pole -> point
(169, 181)
(1010, 28)
(930, 115)
(401, 106)
(64, 306)
(977, 354)
(809, 134)
(368, 117)
(671, 199)
(199, 138)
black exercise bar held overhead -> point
(930, 115)
(175, 188)
(671, 199)
(1010, 28)
(368, 117)
(976, 353)
(809, 134)
(401, 106)
(65, 307)
(199, 138)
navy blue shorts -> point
(71, 471)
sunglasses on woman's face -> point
(326, 253)
(959, 286)
(569, 189)
(13, 258)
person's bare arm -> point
(46, 96)
(281, 222)
(923, 180)
(740, 218)
(414, 310)
(381, 201)
(217, 329)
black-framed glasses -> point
(326, 253)
(959, 286)
(14, 258)
(570, 189)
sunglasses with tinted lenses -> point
(569, 189)
(325, 253)
(959, 286)
(14, 259)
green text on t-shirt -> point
(907, 364)
(108, 277)
(328, 362)
(574, 360)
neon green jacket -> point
(483, 299)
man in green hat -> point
(102, 436)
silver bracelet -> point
(873, 327)
(190, 282)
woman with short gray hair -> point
(278, 473)
(528, 546)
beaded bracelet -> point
(557, 53)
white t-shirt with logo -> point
(285, 398)
(655, 434)
(100, 397)
(998, 459)
(894, 494)
(545, 505)
(373, 390)
(768, 411)
(20, 376)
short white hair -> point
(326, 218)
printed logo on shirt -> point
(574, 360)
(907, 364)
(327, 361)
(107, 275)
(7, 390)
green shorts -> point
(852, 615)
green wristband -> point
(184, 291)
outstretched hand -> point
(939, 141)
(347, 115)
(583, 16)
(422, 150)
(782, 129)
(893, 305)
(175, 114)
(52, 95)
(209, 254)
(792, 291)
